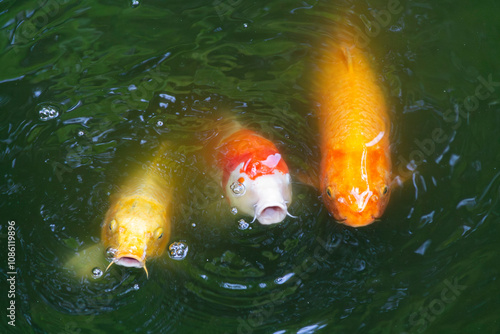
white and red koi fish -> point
(255, 177)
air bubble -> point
(238, 188)
(48, 112)
(80, 133)
(234, 211)
(136, 286)
(135, 3)
(159, 123)
(110, 253)
(96, 272)
(178, 250)
(242, 224)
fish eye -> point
(158, 233)
(385, 189)
(329, 192)
(112, 225)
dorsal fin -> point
(348, 58)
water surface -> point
(89, 89)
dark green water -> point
(124, 77)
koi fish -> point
(355, 171)
(137, 224)
(255, 177)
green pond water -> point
(88, 89)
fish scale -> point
(354, 103)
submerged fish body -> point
(355, 171)
(255, 177)
(137, 224)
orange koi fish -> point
(255, 177)
(355, 173)
(137, 224)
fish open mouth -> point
(271, 214)
(130, 261)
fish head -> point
(265, 197)
(356, 185)
(135, 230)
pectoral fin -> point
(84, 261)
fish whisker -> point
(288, 213)
(112, 262)
(255, 213)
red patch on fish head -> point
(257, 166)
(258, 155)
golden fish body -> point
(137, 224)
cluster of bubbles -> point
(46, 113)
(243, 225)
(178, 250)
